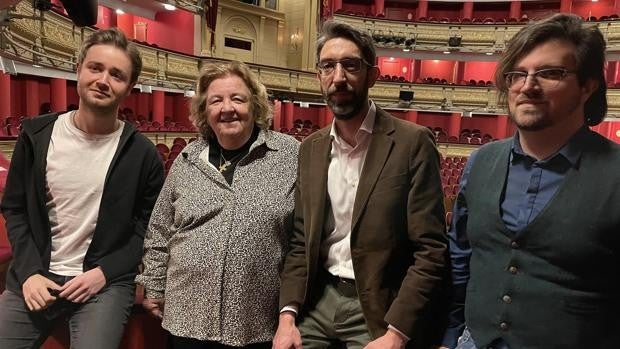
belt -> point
(345, 286)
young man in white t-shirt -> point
(79, 194)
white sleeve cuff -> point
(291, 308)
(397, 331)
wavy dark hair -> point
(589, 54)
(260, 107)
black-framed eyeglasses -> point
(349, 65)
(546, 78)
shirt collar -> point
(571, 151)
(366, 127)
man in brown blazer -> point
(368, 254)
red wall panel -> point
(479, 71)
(597, 9)
(437, 69)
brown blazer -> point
(398, 240)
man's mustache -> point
(342, 88)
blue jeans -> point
(97, 324)
(467, 342)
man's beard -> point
(349, 109)
(532, 121)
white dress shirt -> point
(345, 168)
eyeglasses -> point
(349, 65)
(546, 78)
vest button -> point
(512, 269)
(503, 326)
(507, 299)
(514, 244)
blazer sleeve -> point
(426, 279)
(294, 275)
(26, 256)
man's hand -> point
(390, 340)
(36, 294)
(154, 306)
(287, 336)
(82, 287)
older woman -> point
(218, 233)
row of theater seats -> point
(301, 129)
(435, 81)
(11, 126)
(169, 154)
(451, 171)
(393, 78)
(466, 136)
(475, 20)
(144, 125)
(470, 82)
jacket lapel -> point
(378, 152)
(317, 182)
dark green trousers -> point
(334, 321)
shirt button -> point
(514, 244)
(503, 326)
(512, 269)
(507, 299)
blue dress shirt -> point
(530, 184)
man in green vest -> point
(535, 239)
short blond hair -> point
(260, 107)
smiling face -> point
(345, 93)
(229, 111)
(103, 78)
(535, 107)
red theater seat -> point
(180, 140)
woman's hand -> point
(154, 306)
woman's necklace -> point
(225, 163)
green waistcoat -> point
(556, 284)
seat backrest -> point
(4, 239)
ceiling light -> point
(170, 7)
(489, 53)
(446, 52)
(119, 11)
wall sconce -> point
(296, 40)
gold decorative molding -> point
(277, 80)
(185, 67)
(55, 41)
(308, 84)
(474, 37)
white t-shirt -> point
(77, 164)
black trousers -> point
(175, 342)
